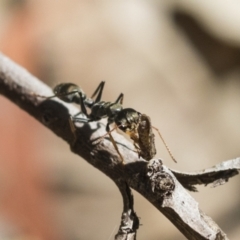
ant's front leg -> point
(137, 149)
(113, 141)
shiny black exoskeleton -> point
(125, 118)
(136, 125)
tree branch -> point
(153, 180)
(218, 175)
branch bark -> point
(153, 180)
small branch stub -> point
(161, 182)
(216, 175)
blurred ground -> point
(177, 61)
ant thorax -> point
(99, 110)
(113, 109)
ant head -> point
(127, 119)
(122, 124)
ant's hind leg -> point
(98, 92)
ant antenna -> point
(165, 144)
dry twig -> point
(153, 180)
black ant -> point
(136, 125)
(71, 93)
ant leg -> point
(73, 129)
(137, 149)
(120, 99)
(83, 108)
(82, 120)
(44, 96)
(102, 137)
(109, 131)
(115, 146)
(98, 92)
(165, 144)
(113, 141)
(56, 95)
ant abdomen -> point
(69, 92)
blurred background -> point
(176, 61)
